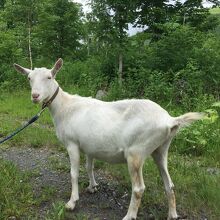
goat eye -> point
(29, 78)
(49, 77)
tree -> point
(155, 14)
(111, 19)
(20, 17)
(60, 29)
(191, 12)
(2, 4)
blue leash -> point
(32, 120)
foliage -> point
(59, 30)
(208, 59)
(87, 74)
(180, 56)
(176, 47)
(203, 137)
(191, 12)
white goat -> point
(116, 132)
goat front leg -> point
(160, 157)
(74, 156)
(89, 167)
(135, 164)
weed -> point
(57, 212)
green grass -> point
(15, 110)
(193, 152)
(58, 212)
(16, 196)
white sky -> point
(84, 3)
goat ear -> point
(21, 69)
(57, 67)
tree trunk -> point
(88, 46)
(29, 42)
(120, 68)
(184, 18)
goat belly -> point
(109, 156)
(106, 149)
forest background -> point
(175, 62)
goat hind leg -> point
(135, 165)
(160, 157)
(89, 167)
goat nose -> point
(35, 95)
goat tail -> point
(188, 118)
(185, 120)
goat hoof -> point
(177, 217)
(70, 205)
(128, 218)
(91, 189)
(181, 217)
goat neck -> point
(57, 105)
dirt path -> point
(51, 171)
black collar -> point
(46, 104)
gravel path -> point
(51, 169)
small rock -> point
(125, 195)
(151, 217)
(12, 218)
(213, 171)
(100, 94)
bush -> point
(87, 75)
(188, 85)
(202, 138)
(11, 80)
(176, 48)
(208, 60)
